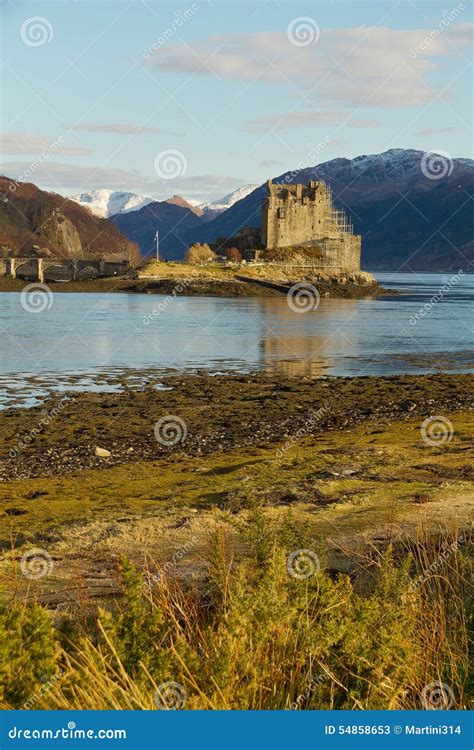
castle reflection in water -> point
(305, 344)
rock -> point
(58, 231)
(102, 452)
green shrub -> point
(28, 652)
(253, 635)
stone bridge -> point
(59, 269)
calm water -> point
(86, 340)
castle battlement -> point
(300, 215)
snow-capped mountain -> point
(222, 204)
(397, 200)
(105, 203)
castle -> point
(301, 218)
(305, 216)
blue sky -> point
(199, 98)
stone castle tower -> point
(305, 216)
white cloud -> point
(73, 177)
(352, 66)
(28, 143)
(268, 163)
(288, 120)
(361, 123)
(121, 128)
(434, 131)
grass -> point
(221, 271)
(176, 570)
(251, 635)
(388, 468)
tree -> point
(199, 253)
(233, 254)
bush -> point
(199, 254)
(253, 635)
(28, 652)
(233, 254)
(295, 255)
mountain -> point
(106, 203)
(222, 204)
(176, 219)
(33, 220)
(194, 206)
(407, 217)
(172, 221)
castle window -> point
(281, 213)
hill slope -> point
(33, 219)
(173, 221)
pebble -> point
(102, 452)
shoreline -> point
(182, 280)
(218, 412)
(361, 462)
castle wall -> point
(304, 216)
(341, 254)
(293, 221)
